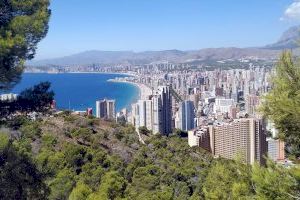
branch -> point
(292, 196)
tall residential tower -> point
(186, 115)
(106, 109)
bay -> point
(79, 91)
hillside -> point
(73, 157)
(75, 152)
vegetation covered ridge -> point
(74, 157)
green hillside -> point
(74, 157)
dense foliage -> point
(22, 25)
(233, 180)
(85, 158)
(19, 177)
(35, 99)
(282, 103)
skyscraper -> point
(101, 109)
(111, 109)
(157, 114)
(145, 116)
(162, 111)
(186, 115)
(134, 117)
(105, 109)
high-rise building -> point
(106, 109)
(244, 138)
(134, 116)
(195, 98)
(101, 109)
(276, 150)
(233, 112)
(154, 113)
(199, 137)
(162, 111)
(186, 115)
(157, 116)
(223, 105)
(251, 104)
(111, 109)
(145, 114)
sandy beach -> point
(144, 91)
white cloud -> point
(292, 12)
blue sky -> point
(141, 25)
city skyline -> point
(150, 99)
(141, 26)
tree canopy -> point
(83, 158)
(22, 25)
(37, 98)
(19, 177)
(282, 103)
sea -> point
(79, 91)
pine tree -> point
(22, 25)
(282, 103)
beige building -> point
(244, 138)
(199, 137)
(252, 103)
(145, 116)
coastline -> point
(127, 100)
(117, 73)
(144, 91)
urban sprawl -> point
(217, 109)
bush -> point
(31, 131)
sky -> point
(146, 25)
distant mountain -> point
(174, 56)
(87, 57)
(288, 40)
(233, 53)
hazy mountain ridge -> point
(269, 52)
(289, 40)
(116, 58)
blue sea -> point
(80, 91)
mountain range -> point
(288, 40)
